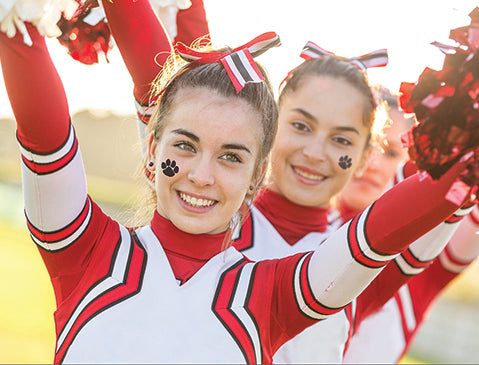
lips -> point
(196, 202)
(308, 174)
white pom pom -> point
(180, 4)
(44, 14)
(167, 14)
(29, 10)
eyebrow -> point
(184, 132)
(194, 137)
(311, 117)
(235, 146)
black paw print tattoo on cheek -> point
(345, 162)
(169, 167)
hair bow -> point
(239, 63)
(377, 58)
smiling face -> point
(214, 143)
(319, 125)
(381, 166)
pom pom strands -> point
(86, 34)
(446, 104)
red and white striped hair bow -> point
(377, 58)
(239, 63)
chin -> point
(302, 198)
(199, 226)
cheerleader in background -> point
(297, 227)
(385, 336)
(325, 133)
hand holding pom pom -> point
(44, 14)
(446, 104)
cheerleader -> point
(169, 291)
(385, 336)
(326, 115)
(329, 338)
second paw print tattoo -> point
(169, 168)
(345, 162)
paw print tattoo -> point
(169, 168)
(345, 162)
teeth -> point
(194, 202)
(308, 175)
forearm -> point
(35, 91)
(141, 39)
(375, 237)
(54, 185)
(463, 247)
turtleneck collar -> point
(291, 220)
(186, 252)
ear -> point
(363, 163)
(151, 152)
(262, 170)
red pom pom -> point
(446, 104)
(85, 41)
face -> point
(320, 128)
(214, 143)
(381, 166)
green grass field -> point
(27, 333)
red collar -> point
(186, 252)
(291, 220)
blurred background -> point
(102, 110)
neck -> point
(292, 221)
(186, 252)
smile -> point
(308, 175)
(196, 202)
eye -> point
(301, 126)
(389, 152)
(342, 140)
(185, 146)
(232, 157)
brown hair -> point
(335, 67)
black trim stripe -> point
(81, 227)
(238, 266)
(68, 339)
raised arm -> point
(59, 213)
(411, 262)
(142, 40)
(343, 266)
(144, 46)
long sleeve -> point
(375, 237)
(192, 24)
(142, 40)
(36, 93)
(62, 220)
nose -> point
(202, 173)
(315, 150)
(374, 159)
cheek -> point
(345, 162)
(389, 167)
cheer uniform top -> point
(259, 239)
